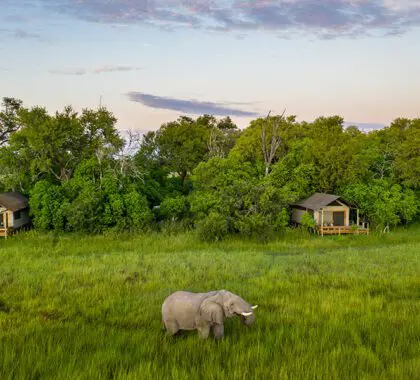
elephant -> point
(203, 312)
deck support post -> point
(6, 224)
(358, 218)
(322, 222)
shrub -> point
(173, 208)
(385, 204)
(253, 206)
(138, 213)
(255, 226)
(214, 227)
(46, 205)
(308, 221)
(85, 213)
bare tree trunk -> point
(182, 176)
(269, 150)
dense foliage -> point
(203, 173)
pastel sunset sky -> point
(153, 60)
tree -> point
(230, 197)
(269, 149)
(334, 153)
(393, 153)
(182, 145)
(9, 122)
(179, 146)
(96, 198)
(47, 206)
(222, 138)
(266, 140)
(385, 204)
(126, 155)
(53, 146)
(407, 155)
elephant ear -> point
(211, 311)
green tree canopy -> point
(51, 146)
(179, 146)
(9, 122)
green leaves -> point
(47, 205)
(52, 146)
(307, 220)
(407, 159)
(230, 197)
(9, 122)
(95, 199)
(228, 181)
(383, 203)
(173, 208)
(181, 145)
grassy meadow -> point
(79, 307)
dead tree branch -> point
(269, 150)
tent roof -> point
(317, 201)
(13, 201)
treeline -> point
(81, 174)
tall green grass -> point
(79, 307)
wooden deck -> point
(341, 230)
(5, 232)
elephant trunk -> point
(248, 321)
(248, 318)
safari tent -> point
(331, 214)
(14, 213)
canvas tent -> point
(326, 209)
(14, 212)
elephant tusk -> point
(246, 314)
(254, 307)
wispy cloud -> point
(194, 107)
(20, 34)
(70, 71)
(110, 69)
(324, 18)
(99, 70)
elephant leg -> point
(171, 327)
(218, 331)
(203, 331)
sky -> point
(150, 61)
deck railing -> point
(342, 230)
